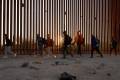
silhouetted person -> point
(66, 44)
(95, 43)
(40, 44)
(79, 40)
(8, 46)
(49, 45)
(113, 46)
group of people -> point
(48, 43)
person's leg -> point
(79, 49)
(97, 49)
(116, 51)
(41, 50)
(64, 51)
(6, 51)
(70, 52)
(10, 51)
(111, 51)
(92, 50)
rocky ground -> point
(49, 67)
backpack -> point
(69, 40)
(97, 43)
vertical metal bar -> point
(105, 37)
(64, 14)
(21, 50)
(4, 12)
(84, 19)
(39, 16)
(78, 14)
(91, 18)
(59, 23)
(111, 18)
(17, 25)
(49, 16)
(25, 25)
(102, 27)
(74, 17)
(86, 24)
(0, 21)
(42, 18)
(108, 25)
(11, 9)
(44, 11)
(100, 21)
(33, 26)
(57, 26)
(8, 17)
(36, 30)
(52, 17)
(28, 23)
(71, 17)
(14, 36)
(94, 19)
(31, 23)
(67, 9)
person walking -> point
(113, 46)
(66, 44)
(40, 44)
(79, 40)
(8, 46)
(95, 43)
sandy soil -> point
(44, 68)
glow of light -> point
(55, 56)
(60, 40)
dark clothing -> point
(113, 47)
(65, 51)
(8, 42)
(114, 44)
(96, 49)
(79, 49)
(67, 42)
(80, 41)
(95, 46)
(93, 42)
(49, 43)
(41, 42)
